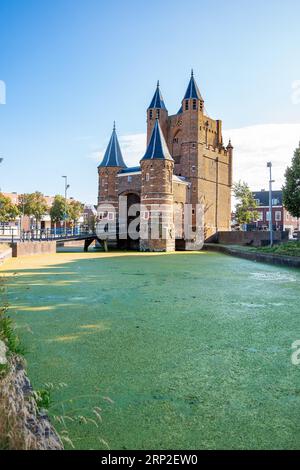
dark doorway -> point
(131, 243)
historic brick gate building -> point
(185, 162)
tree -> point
(33, 205)
(246, 205)
(291, 188)
(8, 210)
(75, 210)
(57, 211)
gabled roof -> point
(263, 197)
(157, 100)
(192, 91)
(113, 155)
(157, 147)
(132, 169)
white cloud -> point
(253, 147)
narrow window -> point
(129, 178)
(150, 114)
(158, 113)
(186, 105)
(147, 177)
(194, 104)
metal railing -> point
(50, 234)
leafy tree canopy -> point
(33, 205)
(75, 210)
(58, 209)
(246, 204)
(291, 188)
(8, 210)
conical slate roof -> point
(113, 155)
(157, 100)
(157, 147)
(192, 91)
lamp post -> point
(66, 190)
(269, 165)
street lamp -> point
(66, 189)
(269, 165)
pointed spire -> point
(192, 91)
(157, 100)
(157, 147)
(229, 146)
(113, 155)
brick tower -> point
(108, 169)
(157, 166)
(195, 142)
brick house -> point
(185, 162)
(282, 219)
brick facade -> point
(200, 173)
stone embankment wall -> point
(257, 238)
(22, 425)
(33, 248)
(282, 260)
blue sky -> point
(72, 67)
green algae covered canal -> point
(180, 351)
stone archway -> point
(133, 199)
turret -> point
(108, 169)
(229, 149)
(157, 109)
(192, 100)
(157, 166)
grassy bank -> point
(24, 424)
(291, 248)
(10, 346)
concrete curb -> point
(290, 261)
